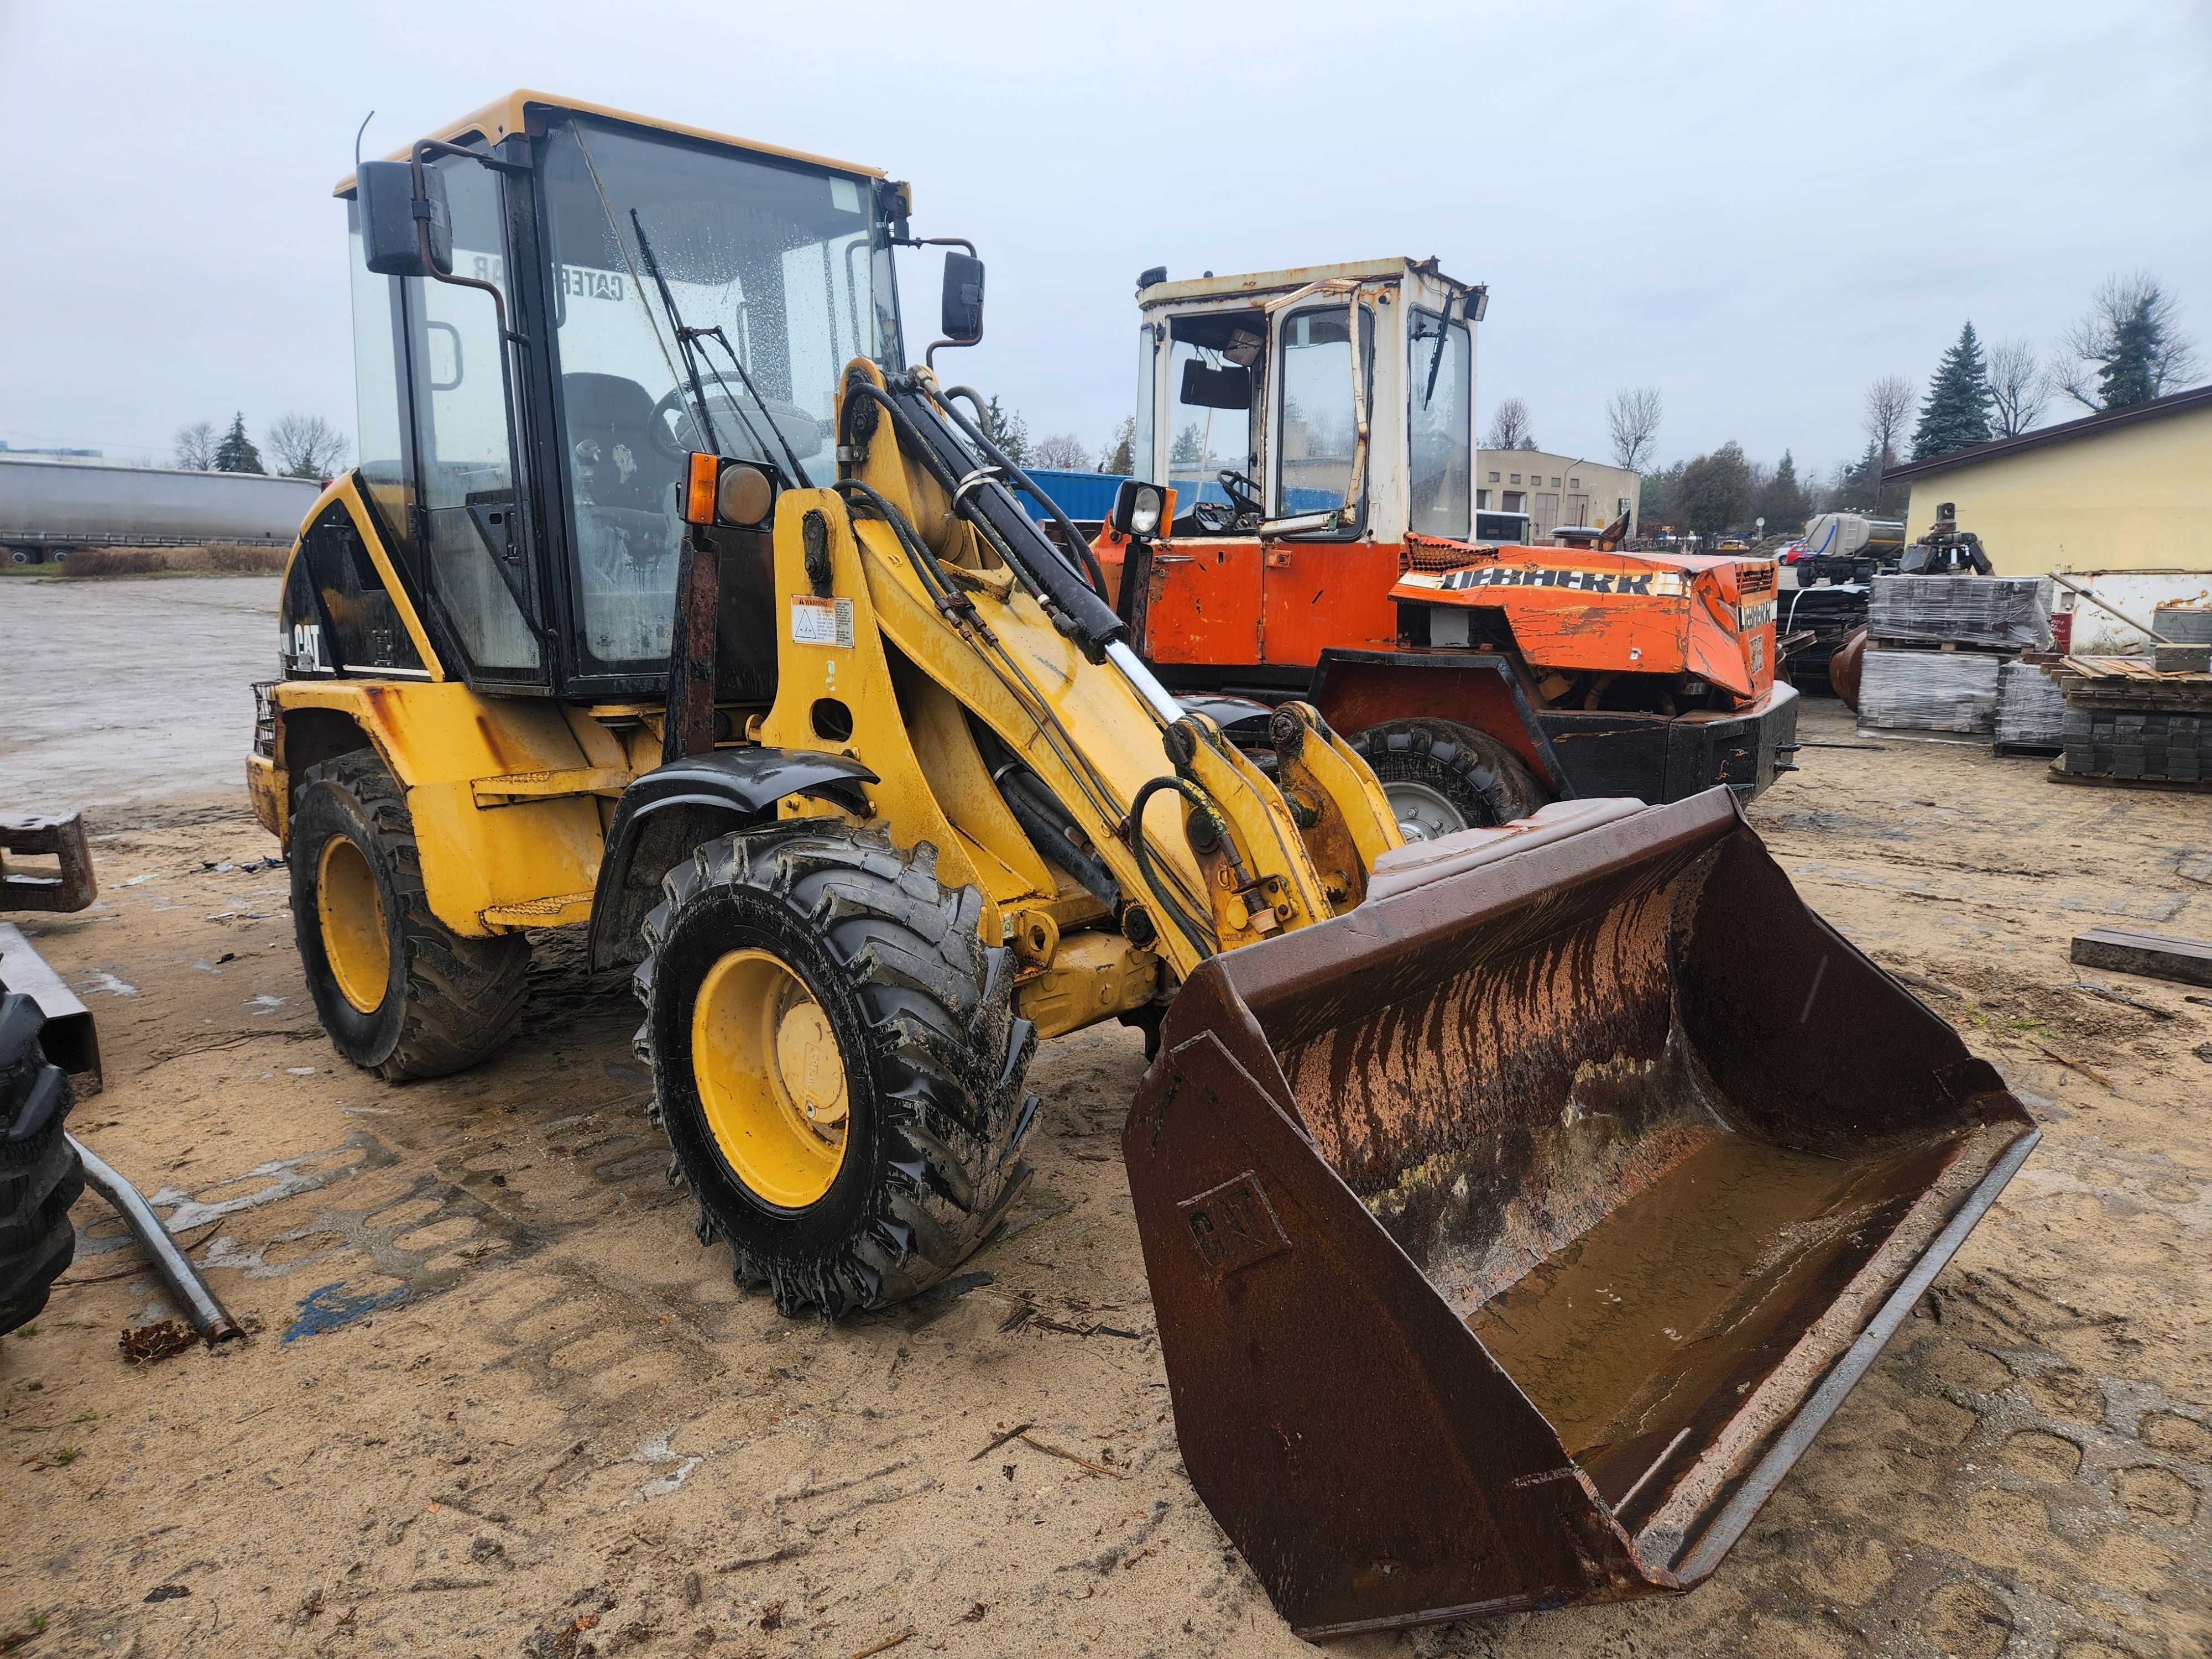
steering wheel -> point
(1242, 492)
(674, 431)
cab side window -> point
(367, 630)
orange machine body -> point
(1327, 541)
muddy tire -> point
(1441, 776)
(400, 994)
(914, 1035)
(40, 1176)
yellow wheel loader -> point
(1516, 1205)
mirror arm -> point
(434, 146)
(929, 357)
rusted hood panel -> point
(1579, 609)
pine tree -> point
(2129, 374)
(1009, 431)
(1784, 504)
(236, 452)
(1120, 456)
(1957, 412)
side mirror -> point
(391, 214)
(962, 321)
(1228, 387)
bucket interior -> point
(1657, 1136)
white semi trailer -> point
(48, 507)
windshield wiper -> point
(1437, 359)
(685, 337)
(767, 414)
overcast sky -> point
(1756, 208)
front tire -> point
(400, 994)
(41, 1176)
(836, 1062)
(1440, 776)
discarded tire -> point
(39, 1176)
(836, 1062)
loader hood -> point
(1580, 609)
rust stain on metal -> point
(1532, 1161)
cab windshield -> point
(761, 277)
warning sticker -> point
(822, 622)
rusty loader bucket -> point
(1512, 1234)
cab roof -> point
(1291, 277)
(521, 112)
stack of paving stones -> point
(2129, 722)
(1936, 647)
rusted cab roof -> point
(514, 113)
(1291, 277)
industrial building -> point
(1553, 490)
(2123, 488)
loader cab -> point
(1310, 420)
(609, 294)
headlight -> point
(1138, 507)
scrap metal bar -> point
(208, 1316)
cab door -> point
(1201, 600)
(468, 509)
(1330, 589)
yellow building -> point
(2124, 489)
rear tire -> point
(41, 1176)
(1433, 772)
(429, 1001)
(871, 951)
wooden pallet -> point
(1976, 646)
(2114, 781)
(2133, 683)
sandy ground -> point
(500, 1401)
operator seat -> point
(616, 412)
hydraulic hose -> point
(928, 432)
(1077, 544)
(1190, 928)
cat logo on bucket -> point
(1233, 1225)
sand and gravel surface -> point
(500, 1400)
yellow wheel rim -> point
(351, 911)
(771, 1079)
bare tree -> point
(1509, 427)
(306, 446)
(2095, 340)
(195, 446)
(1633, 415)
(1061, 450)
(2019, 386)
(1888, 405)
